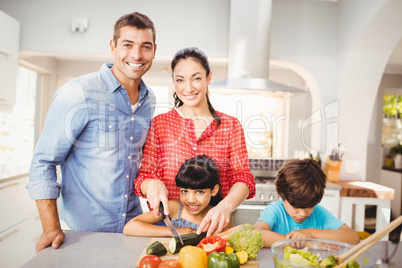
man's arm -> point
(52, 233)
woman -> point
(192, 128)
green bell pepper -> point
(223, 260)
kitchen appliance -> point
(249, 49)
(265, 172)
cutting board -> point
(165, 242)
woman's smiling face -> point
(191, 82)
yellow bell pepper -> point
(193, 257)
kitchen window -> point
(391, 122)
(262, 115)
(17, 126)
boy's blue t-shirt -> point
(280, 221)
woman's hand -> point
(216, 219)
(157, 193)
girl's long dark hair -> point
(199, 172)
(200, 57)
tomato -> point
(150, 261)
(169, 263)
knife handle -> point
(162, 211)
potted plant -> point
(396, 151)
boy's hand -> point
(303, 233)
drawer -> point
(17, 205)
(331, 201)
(17, 244)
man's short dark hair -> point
(134, 19)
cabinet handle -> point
(4, 53)
(7, 236)
(8, 186)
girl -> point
(198, 182)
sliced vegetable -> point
(192, 257)
(223, 260)
(156, 248)
(150, 261)
(229, 249)
(212, 243)
(188, 240)
(242, 256)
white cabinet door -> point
(9, 37)
(331, 201)
(9, 49)
(8, 74)
(16, 204)
(17, 244)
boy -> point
(301, 184)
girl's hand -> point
(185, 230)
(215, 220)
(157, 193)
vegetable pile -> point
(303, 256)
(228, 249)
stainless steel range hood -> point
(249, 39)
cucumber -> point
(156, 248)
(188, 240)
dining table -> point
(96, 249)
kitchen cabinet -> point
(9, 49)
(393, 179)
(331, 201)
(20, 225)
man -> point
(95, 130)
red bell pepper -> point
(212, 244)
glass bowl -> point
(321, 247)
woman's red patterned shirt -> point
(172, 140)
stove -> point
(265, 172)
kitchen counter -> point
(85, 249)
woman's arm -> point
(343, 234)
(156, 192)
(219, 216)
(268, 236)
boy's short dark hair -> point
(134, 19)
(301, 183)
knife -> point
(169, 224)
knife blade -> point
(169, 224)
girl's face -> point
(297, 214)
(191, 82)
(196, 200)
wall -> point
(362, 63)
(178, 23)
(342, 44)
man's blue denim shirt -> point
(96, 138)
